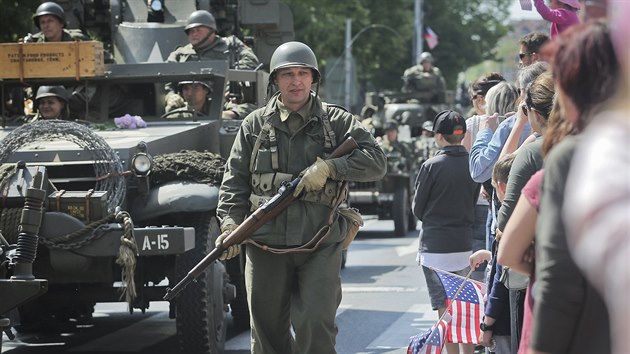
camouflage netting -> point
(107, 163)
(201, 167)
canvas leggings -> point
(299, 291)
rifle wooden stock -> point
(268, 211)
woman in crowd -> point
(596, 218)
(569, 315)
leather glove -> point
(231, 251)
(173, 101)
(314, 177)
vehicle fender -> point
(175, 197)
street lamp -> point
(347, 53)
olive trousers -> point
(293, 293)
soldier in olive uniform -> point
(196, 94)
(391, 144)
(425, 79)
(426, 146)
(52, 102)
(291, 136)
(50, 19)
(205, 44)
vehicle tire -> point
(400, 211)
(239, 307)
(200, 309)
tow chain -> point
(126, 253)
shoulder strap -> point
(263, 135)
(330, 140)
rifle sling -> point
(319, 237)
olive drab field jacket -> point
(254, 175)
(218, 50)
(221, 49)
(67, 36)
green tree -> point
(468, 32)
(16, 19)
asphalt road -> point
(384, 303)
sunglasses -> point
(523, 55)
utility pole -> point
(417, 44)
(348, 65)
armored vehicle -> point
(391, 198)
(129, 211)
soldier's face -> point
(295, 86)
(392, 134)
(51, 27)
(50, 107)
(195, 94)
(200, 35)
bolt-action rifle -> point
(256, 220)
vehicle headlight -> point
(142, 163)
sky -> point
(517, 14)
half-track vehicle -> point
(128, 212)
(391, 198)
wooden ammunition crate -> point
(86, 206)
(51, 60)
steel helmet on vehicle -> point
(294, 54)
(52, 91)
(426, 56)
(391, 125)
(201, 18)
(202, 83)
(50, 8)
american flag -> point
(467, 308)
(431, 38)
(431, 341)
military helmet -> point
(391, 125)
(50, 8)
(294, 54)
(52, 91)
(428, 126)
(426, 56)
(205, 84)
(201, 18)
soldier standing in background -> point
(425, 143)
(390, 144)
(206, 44)
(289, 289)
(425, 78)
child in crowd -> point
(561, 14)
(496, 322)
(444, 201)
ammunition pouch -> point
(266, 185)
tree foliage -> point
(468, 31)
(16, 18)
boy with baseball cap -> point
(444, 201)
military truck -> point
(129, 212)
(391, 198)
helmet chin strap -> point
(202, 43)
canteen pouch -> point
(354, 221)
